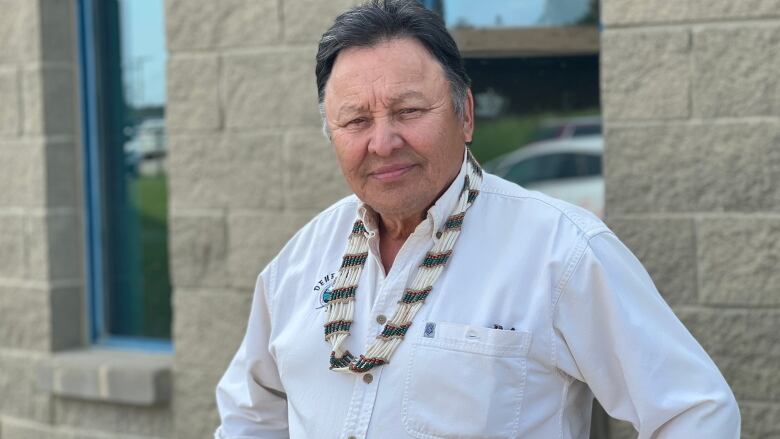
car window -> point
(548, 133)
(587, 130)
(553, 167)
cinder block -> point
(738, 259)
(61, 176)
(744, 345)
(53, 247)
(751, 376)
(256, 238)
(209, 326)
(193, 94)
(198, 251)
(736, 333)
(624, 12)
(68, 325)
(48, 101)
(667, 249)
(195, 407)
(57, 20)
(65, 255)
(621, 12)
(10, 111)
(312, 177)
(241, 170)
(25, 429)
(39, 319)
(13, 263)
(22, 176)
(25, 318)
(195, 24)
(728, 9)
(109, 376)
(18, 385)
(117, 419)
(760, 420)
(19, 39)
(306, 20)
(645, 74)
(736, 70)
(691, 168)
(270, 89)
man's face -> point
(398, 140)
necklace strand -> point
(341, 305)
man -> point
(441, 302)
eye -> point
(356, 122)
(409, 111)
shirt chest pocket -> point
(465, 382)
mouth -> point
(391, 172)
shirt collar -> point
(438, 213)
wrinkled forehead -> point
(401, 66)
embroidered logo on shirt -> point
(430, 330)
(322, 289)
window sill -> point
(109, 375)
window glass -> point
(557, 166)
(524, 100)
(526, 13)
(534, 66)
(130, 56)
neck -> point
(393, 232)
(398, 228)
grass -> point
(150, 196)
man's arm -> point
(250, 396)
(616, 334)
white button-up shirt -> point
(580, 317)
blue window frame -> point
(122, 82)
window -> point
(558, 166)
(534, 67)
(123, 77)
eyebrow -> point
(352, 108)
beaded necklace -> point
(341, 305)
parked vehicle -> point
(565, 168)
(569, 127)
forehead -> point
(395, 65)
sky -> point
(509, 13)
(483, 13)
(143, 51)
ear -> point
(468, 117)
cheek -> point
(348, 154)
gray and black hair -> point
(381, 20)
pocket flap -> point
(477, 339)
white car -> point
(569, 169)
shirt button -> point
(367, 378)
(381, 319)
(352, 437)
(438, 235)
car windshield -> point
(556, 166)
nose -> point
(384, 138)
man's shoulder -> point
(536, 208)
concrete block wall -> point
(248, 167)
(40, 224)
(42, 294)
(691, 102)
